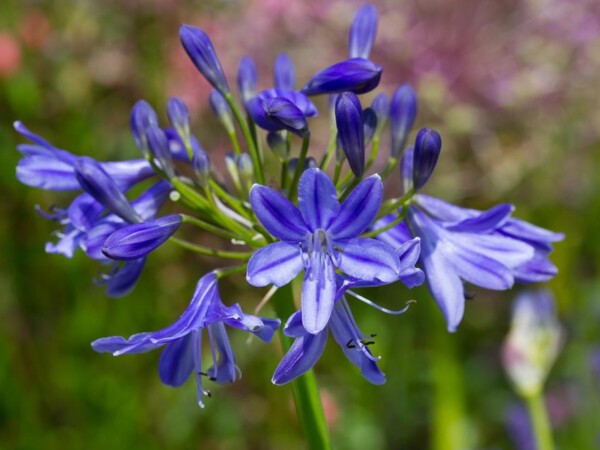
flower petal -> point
(358, 210)
(318, 295)
(486, 221)
(293, 327)
(177, 361)
(277, 214)
(477, 268)
(277, 264)
(300, 358)
(225, 371)
(317, 199)
(47, 173)
(124, 279)
(84, 211)
(368, 259)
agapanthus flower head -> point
(403, 111)
(199, 48)
(284, 74)
(362, 32)
(320, 237)
(247, 78)
(349, 120)
(182, 340)
(357, 75)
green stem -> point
(392, 205)
(390, 167)
(210, 251)
(330, 153)
(207, 226)
(305, 389)
(253, 149)
(390, 225)
(300, 166)
(540, 421)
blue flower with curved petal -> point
(485, 248)
(183, 339)
(320, 237)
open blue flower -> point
(183, 339)
(489, 249)
(320, 237)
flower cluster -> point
(337, 231)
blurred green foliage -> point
(72, 70)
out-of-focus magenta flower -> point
(10, 55)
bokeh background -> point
(512, 86)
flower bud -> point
(362, 32)
(247, 78)
(284, 74)
(533, 343)
(245, 167)
(179, 116)
(232, 168)
(356, 75)
(200, 50)
(349, 120)
(427, 150)
(201, 165)
(96, 182)
(403, 111)
(381, 107)
(277, 113)
(160, 149)
(406, 168)
(137, 240)
(142, 116)
(221, 109)
(369, 125)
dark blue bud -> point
(349, 120)
(200, 50)
(406, 169)
(362, 32)
(160, 149)
(137, 240)
(179, 116)
(95, 181)
(427, 150)
(247, 78)
(403, 111)
(284, 74)
(278, 113)
(142, 116)
(301, 101)
(277, 144)
(369, 124)
(201, 165)
(381, 106)
(356, 75)
(221, 109)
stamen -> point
(381, 308)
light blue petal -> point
(293, 327)
(277, 264)
(358, 210)
(368, 259)
(317, 199)
(318, 295)
(485, 221)
(277, 214)
(300, 358)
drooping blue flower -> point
(279, 109)
(199, 48)
(247, 78)
(362, 32)
(358, 75)
(403, 111)
(182, 340)
(284, 74)
(349, 121)
(320, 237)
(46, 167)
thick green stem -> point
(305, 389)
(540, 421)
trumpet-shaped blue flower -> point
(182, 340)
(320, 237)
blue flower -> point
(247, 78)
(362, 32)
(320, 237)
(485, 248)
(182, 340)
(284, 74)
(349, 120)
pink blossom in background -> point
(10, 55)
